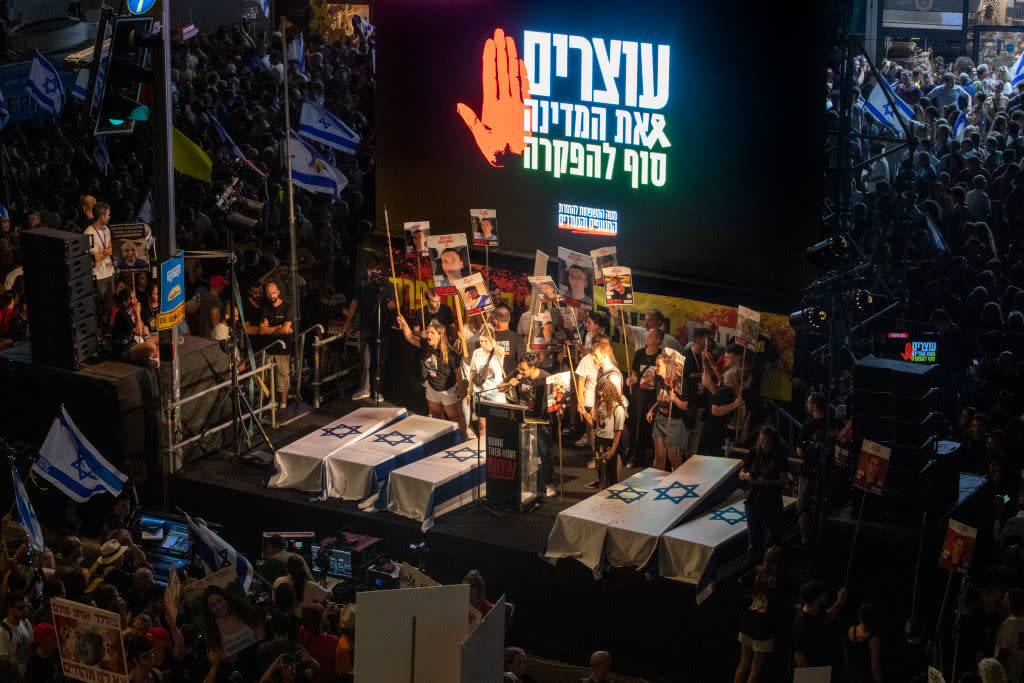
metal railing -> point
(787, 426)
(319, 381)
(300, 355)
(271, 406)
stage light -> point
(862, 300)
(812, 317)
(827, 250)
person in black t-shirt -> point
(811, 449)
(276, 322)
(642, 396)
(528, 385)
(695, 393)
(811, 630)
(507, 340)
(665, 413)
(435, 311)
(129, 338)
(252, 308)
(764, 469)
(725, 418)
(375, 300)
(442, 372)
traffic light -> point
(126, 72)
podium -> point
(511, 455)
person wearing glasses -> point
(15, 637)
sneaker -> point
(582, 442)
(594, 485)
(361, 394)
(592, 464)
(550, 491)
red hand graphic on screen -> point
(908, 351)
(500, 127)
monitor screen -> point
(915, 347)
(166, 535)
(298, 542)
(177, 541)
(339, 565)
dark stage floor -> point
(561, 611)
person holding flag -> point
(888, 109)
(215, 554)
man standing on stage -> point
(276, 322)
(694, 391)
(508, 341)
(529, 383)
(377, 310)
(103, 264)
(435, 311)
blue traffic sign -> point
(140, 6)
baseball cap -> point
(43, 633)
(158, 635)
(218, 281)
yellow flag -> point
(190, 159)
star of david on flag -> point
(216, 554)
(730, 515)
(319, 125)
(464, 454)
(684, 491)
(878, 106)
(310, 170)
(627, 494)
(71, 463)
(339, 431)
(44, 85)
(394, 438)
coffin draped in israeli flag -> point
(300, 464)
(692, 552)
(360, 471)
(433, 486)
(620, 526)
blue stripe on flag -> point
(104, 474)
(328, 138)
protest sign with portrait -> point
(872, 467)
(557, 389)
(576, 278)
(484, 223)
(416, 233)
(474, 294)
(89, 641)
(605, 257)
(958, 546)
(618, 286)
(449, 261)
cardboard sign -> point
(413, 578)
(172, 596)
(872, 467)
(449, 261)
(557, 388)
(193, 589)
(485, 226)
(576, 278)
(89, 641)
(474, 295)
(935, 676)
(172, 293)
(618, 286)
(542, 332)
(747, 322)
(958, 547)
(416, 233)
(544, 287)
(131, 246)
(566, 329)
(605, 257)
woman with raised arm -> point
(441, 369)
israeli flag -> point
(1017, 71)
(101, 155)
(28, 515)
(4, 216)
(226, 139)
(146, 210)
(5, 115)
(217, 555)
(81, 85)
(319, 125)
(266, 7)
(297, 51)
(72, 464)
(880, 108)
(960, 126)
(44, 85)
(311, 171)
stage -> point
(642, 618)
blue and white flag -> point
(319, 125)
(145, 214)
(297, 52)
(79, 90)
(936, 235)
(266, 7)
(880, 108)
(4, 216)
(1017, 70)
(311, 171)
(72, 464)
(960, 126)
(216, 554)
(5, 115)
(226, 139)
(44, 85)
(101, 155)
(28, 515)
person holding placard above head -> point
(441, 370)
(669, 438)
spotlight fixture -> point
(830, 249)
(812, 317)
(862, 300)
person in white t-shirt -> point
(103, 264)
(485, 373)
(609, 419)
(1010, 636)
(15, 637)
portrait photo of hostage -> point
(227, 618)
(576, 278)
(958, 547)
(474, 294)
(485, 226)
(605, 257)
(542, 334)
(618, 286)
(449, 261)
(544, 287)
(556, 392)
(132, 256)
(872, 467)
(89, 641)
(416, 233)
